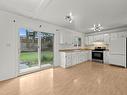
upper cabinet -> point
(86, 40)
(118, 35)
(121, 34)
(90, 39)
(66, 38)
(106, 38)
(70, 39)
(77, 41)
(114, 35)
(99, 38)
(125, 33)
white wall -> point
(9, 41)
(7, 47)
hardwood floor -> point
(84, 79)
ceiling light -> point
(97, 27)
(69, 17)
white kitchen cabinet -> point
(106, 38)
(95, 37)
(118, 35)
(106, 57)
(81, 57)
(114, 35)
(66, 59)
(125, 34)
(72, 58)
(86, 41)
(89, 55)
(85, 56)
(121, 34)
(66, 37)
(117, 50)
(91, 40)
(99, 37)
(119, 60)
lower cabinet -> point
(72, 58)
(106, 57)
(116, 59)
(88, 55)
(66, 59)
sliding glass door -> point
(47, 55)
(36, 50)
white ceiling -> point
(109, 13)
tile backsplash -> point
(68, 46)
(97, 44)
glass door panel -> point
(47, 54)
(28, 49)
(36, 50)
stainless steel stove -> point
(97, 54)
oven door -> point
(97, 55)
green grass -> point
(31, 58)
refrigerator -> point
(117, 51)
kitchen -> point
(63, 47)
(98, 47)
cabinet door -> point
(88, 55)
(68, 59)
(63, 37)
(95, 37)
(80, 57)
(119, 60)
(101, 37)
(66, 37)
(106, 57)
(86, 41)
(91, 39)
(84, 56)
(106, 38)
(125, 34)
(121, 34)
(63, 59)
(74, 58)
(114, 35)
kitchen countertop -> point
(74, 50)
